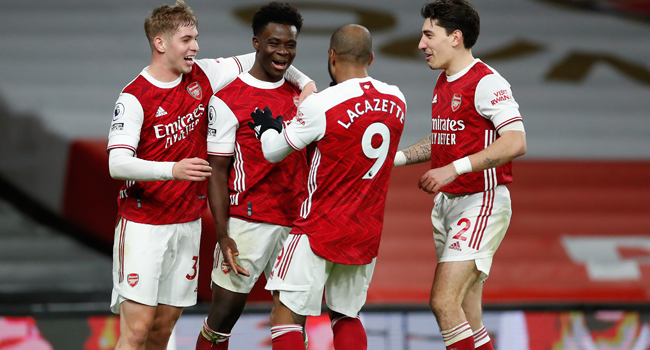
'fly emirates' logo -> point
(445, 138)
(179, 129)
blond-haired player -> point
(157, 142)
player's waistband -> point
(456, 195)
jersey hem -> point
(120, 214)
(250, 219)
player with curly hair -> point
(253, 202)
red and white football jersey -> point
(167, 122)
(259, 191)
(356, 127)
(467, 111)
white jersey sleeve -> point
(123, 165)
(222, 71)
(296, 77)
(308, 125)
(222, 128)
(127, 123)
(494, 101)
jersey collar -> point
(457, 76)
(160, 84)
(254, 82)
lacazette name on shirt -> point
(380, 105)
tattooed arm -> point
(418, 153)
(509, 146)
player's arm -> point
(277, 143)
(123, 140)
(222, 131)
(274, 146)
(219, 204)
(303, 82)
(420, 152)
(124, 165)
(504, 113)
(222, 71)
(509, 146)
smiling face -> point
(181, 49)
(276, 49)
(437, 45)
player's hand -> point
(191, 169)
(433, 180)
(309, 89)
(263, 120)
(229, 249)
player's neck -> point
(347, 72)
(160, 72)
(460, 62)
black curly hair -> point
(276, 12)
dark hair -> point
(276, 12)
(455, 14)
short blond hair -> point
(166, 19)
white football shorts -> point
(156, 264)
(258, 243)
(300, 276)
(471, 227)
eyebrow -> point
(276, 38)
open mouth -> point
(280, 65)
(189, 60)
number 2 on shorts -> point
(459, 235)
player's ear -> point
(457, 38)
(256, 43)
(159, 44)
(372, 58)
(332, 56)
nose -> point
(282, 50)
(195, 47)
(422, 45)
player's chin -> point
(280, 67)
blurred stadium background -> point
(572, 273)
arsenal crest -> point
(195, 90)
(225, 267)
(133, 279)
(455, 103)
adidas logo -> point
(160, 112)
(366, 87)
(435, 99)
(455, 246)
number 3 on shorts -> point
(378, 153)
(194, 271)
